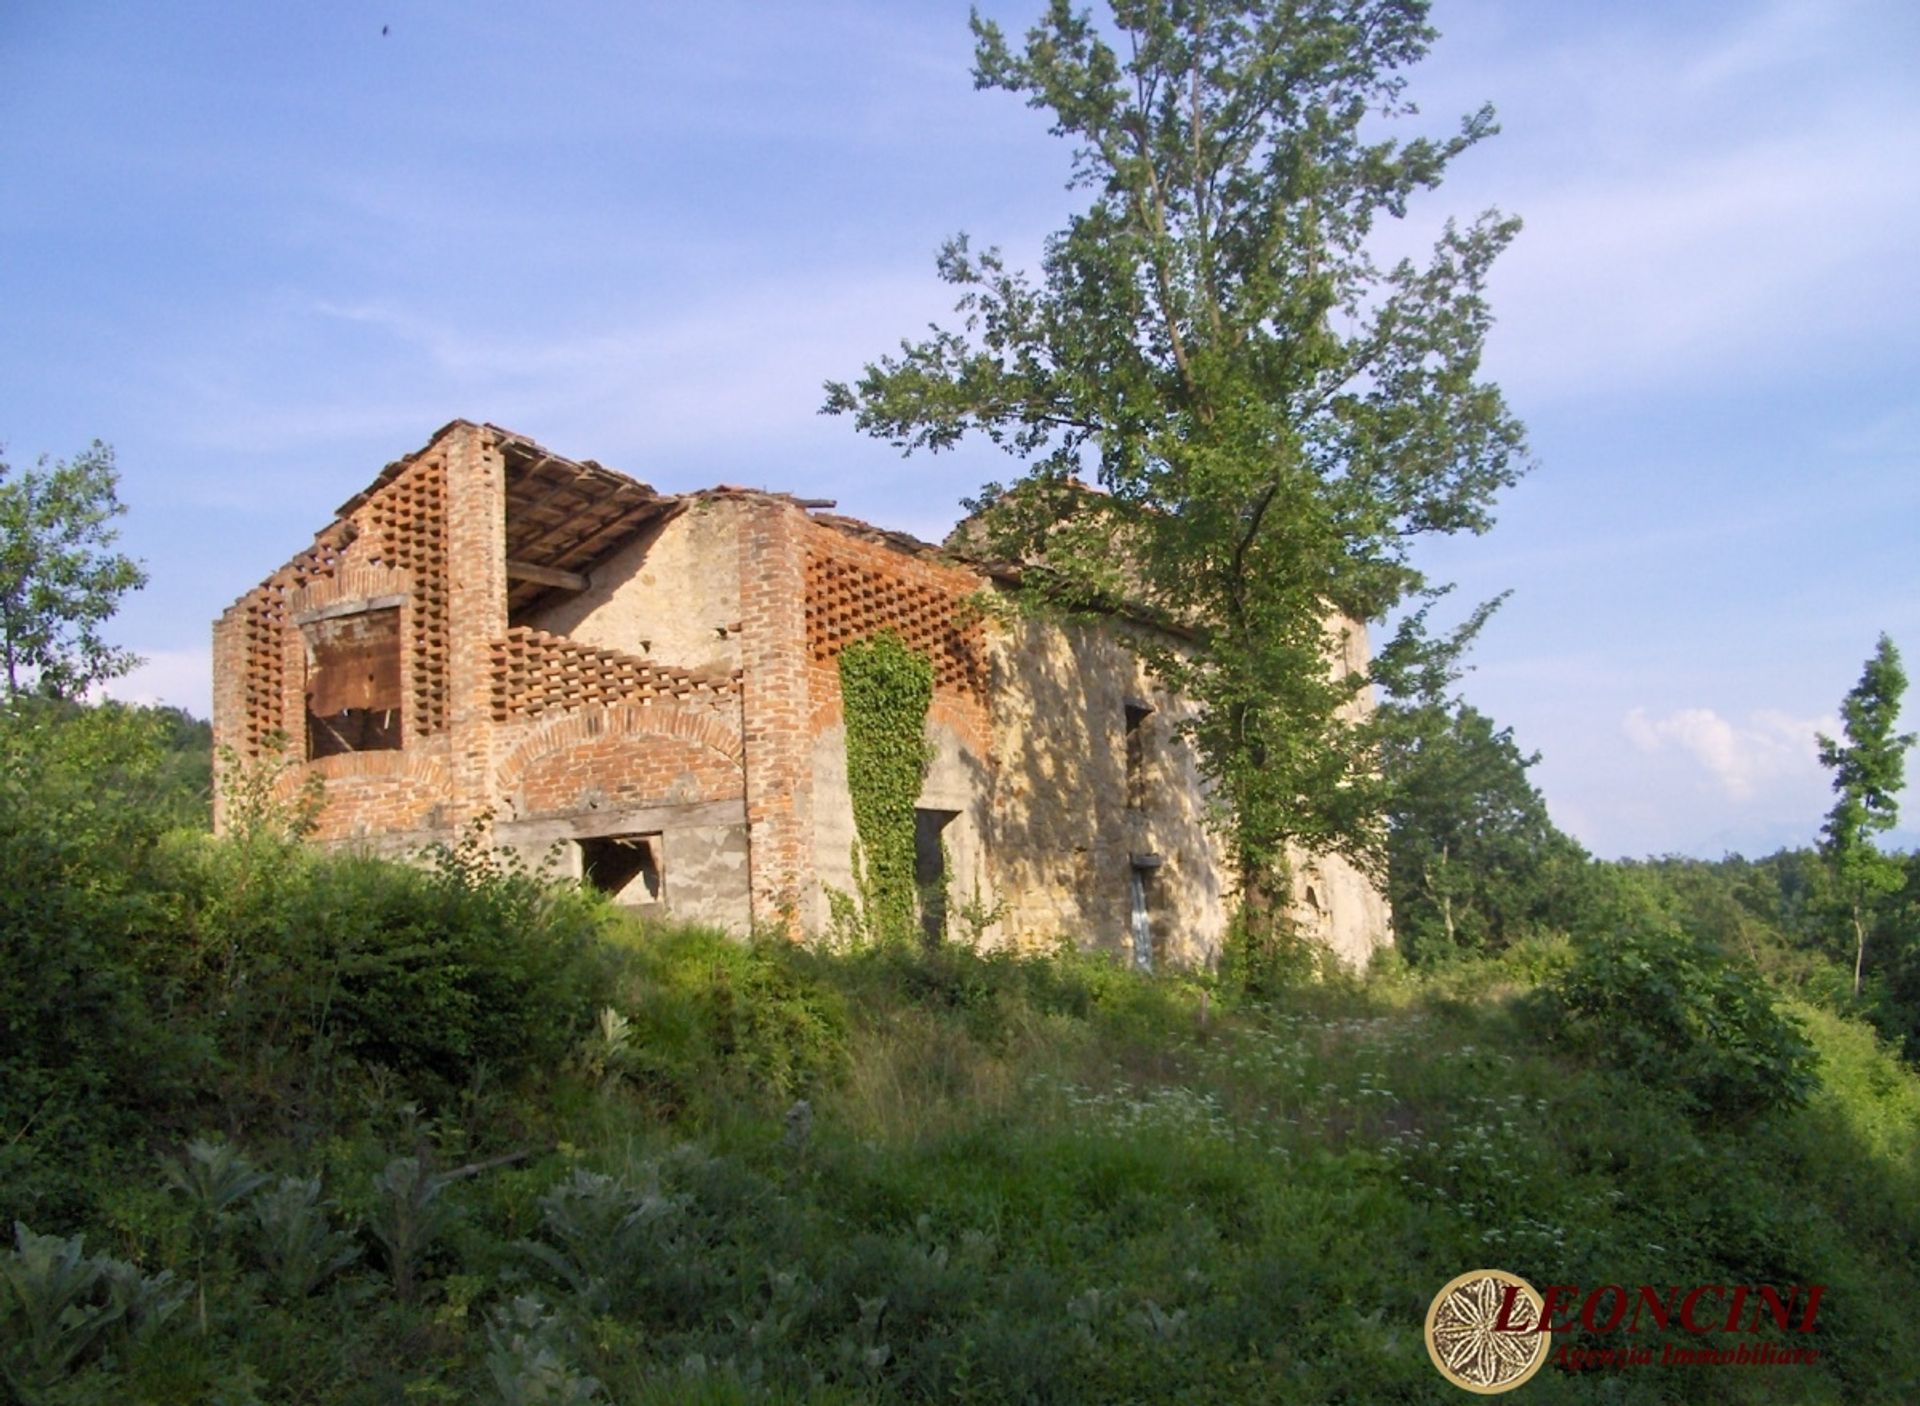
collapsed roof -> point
(566, 516)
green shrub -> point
(153, 981)
(311, 965)
(86, 1038)
(60, 1308)
(708, 1013)
(1675, 1015)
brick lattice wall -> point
(403, 526)
(265, 618)
(535, 672)
(855, 589)
(406, 524)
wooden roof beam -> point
(546, 576)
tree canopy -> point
(1474, 861)
(60, 579)
(1868, 771)
(1268, 415)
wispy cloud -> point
(741, 370)
(1776, 36)
(1779, 245)
(1768, 749)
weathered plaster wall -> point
(672, 594)
(1333, 900)
(707, 876)
(1337, 904)
(1062, 836)
(704, 845)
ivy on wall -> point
(885, 690)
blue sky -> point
(262, 250)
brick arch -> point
(639, 751)
(351, 582)
(426, 772)
(372, 791)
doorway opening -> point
(930, 871)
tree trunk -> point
(13, 684)
(1859, 949)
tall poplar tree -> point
(1868, 771)
(1269, 414)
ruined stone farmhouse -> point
(642, 688)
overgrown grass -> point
(279, 1127)
(775, 1174)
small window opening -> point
(626, 868)
(353, 683)
(1136, 716)
(930, 870)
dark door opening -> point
(930, 871)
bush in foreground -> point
(1675, 1015)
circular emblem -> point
(1465, 1338)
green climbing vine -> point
(885, 690)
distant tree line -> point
(1476, 865)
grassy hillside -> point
(281, 1128)
(1008, 1180)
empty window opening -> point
(626, 868)
(930, 870)
(353, 683)
(1136, 716)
